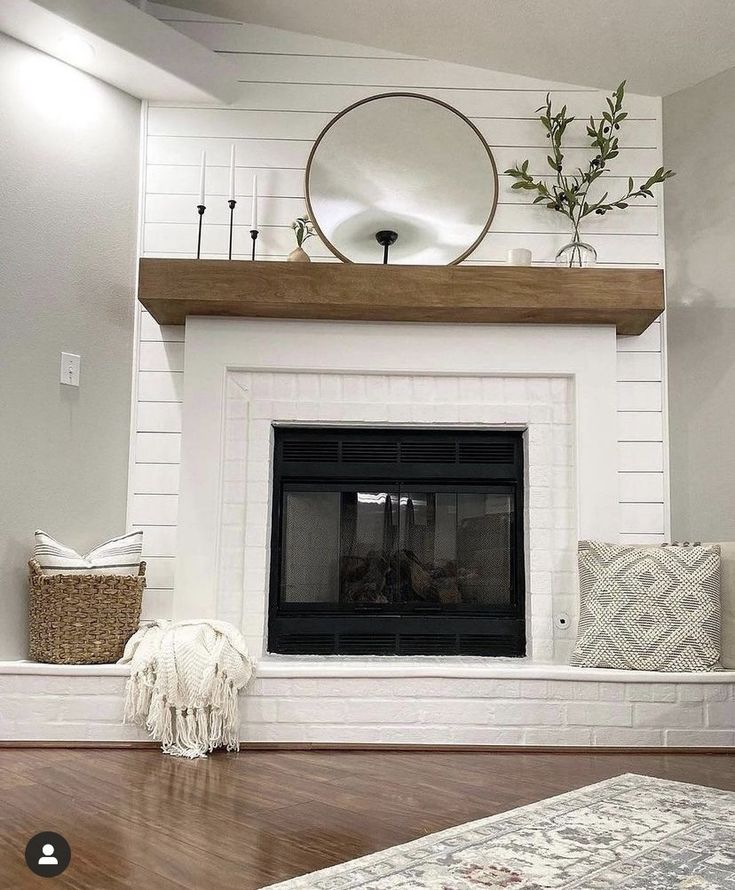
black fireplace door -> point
(413, 562)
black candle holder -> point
(200, 210)
(231, 204)
(385, 238)
(254, 236)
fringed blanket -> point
(184, 684)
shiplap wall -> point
(291, 86)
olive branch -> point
(568, 194)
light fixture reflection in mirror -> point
(406, 164)
(385, 238)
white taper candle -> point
(232, 173)
(202, 176)
(254, 220)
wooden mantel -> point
(630, 299)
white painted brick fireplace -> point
(258, 400)
(241, 377)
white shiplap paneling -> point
(291, 85)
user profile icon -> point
(48, 854)
(48, 857)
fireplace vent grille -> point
(427, 644)
(296, 644)
(418, 451)
(428, 452)
(487, 452)
(373, 452)
(366, 644)
(310, 450)
(398, 644)
(489, 644)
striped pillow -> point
(118, 556)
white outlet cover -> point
(70, 368)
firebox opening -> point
(397, 542)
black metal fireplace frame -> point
(326, 458)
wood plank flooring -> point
(137, 819)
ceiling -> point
(660, 46)
(119, 44)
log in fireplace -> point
(394, 541)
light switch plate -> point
(70, 365)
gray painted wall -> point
(69, 162)
(699, 143)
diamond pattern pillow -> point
(648, 608)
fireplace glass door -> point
(363, 564)
(430, 549)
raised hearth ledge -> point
(38, 669)
(345, 667)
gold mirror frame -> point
(354, 105)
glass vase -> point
(577, 254)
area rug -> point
(630, 833)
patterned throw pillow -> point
(648, 608)
(118, 556)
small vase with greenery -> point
(303, 229)
(568, 193)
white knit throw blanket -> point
(184, 684)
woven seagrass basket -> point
(82, 619)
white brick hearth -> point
(412, 703)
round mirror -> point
(401, 178)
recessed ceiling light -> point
(75, 50)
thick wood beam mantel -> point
(630, 299)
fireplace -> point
(391, 541)
(247, 379)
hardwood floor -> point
(135, 818)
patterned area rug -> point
(628, 833)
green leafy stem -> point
(303, 229)
(568, 194)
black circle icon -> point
(47, 854)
